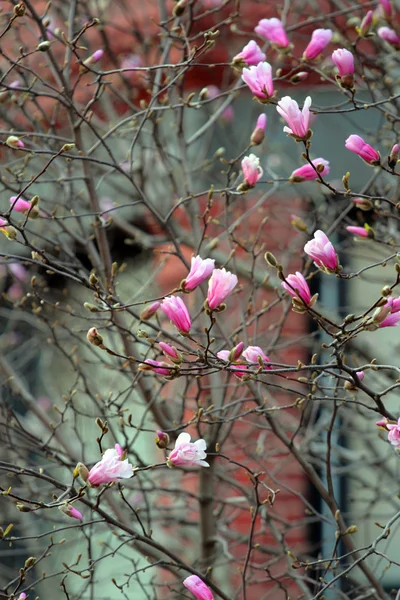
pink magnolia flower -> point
(259, 80)
(175, 309)
(319, 40)
(297, 120)
(394, 156)
(22, 596)
(344, 61)
(253, 353)
(70, 511)
(308, 173)
(297, 286)
(251, 54)
(220, 285)
(110, 468)
(170, 351)
(149, 311)
(156, 366)
(366, 24)
(259, 132)
(389, 314)
(187, 453)
(94, 58)
(251, 170)
(360, 375)
(322, 252)
(231, 355)
(200, 270)
(360, 231)
(273, 31)
(386, 8)
(199, 589)
(389, 35)
(356, 144)
(394, 433)
(21, 205)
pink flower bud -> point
(394, 156)
(120, 450)
(308, 173)
(344, 61)
(322, 252)
(258, 134)
(298, 120)
(251, 170)
(22, 596)
(200, 270)
(149, 311)
(82, 471)
(14, 142)
(273, 31)
(220, 285)
(21, 205)
(175, 309)
(382, 423)
(319, 40)
(162, 439)
(360, 231)
(389, 35)
(250, 55)
(171, 352)
(161, 368)
(386, 8)
(356, 144)
(236, 352)
(297, 286)
(199, 589)
(298, 77)
(366, 24)
(70, 511)
(298, 223)
(254, 354)
(94, 338)
(360, 375)
(187, 453)
(362, 203)
(259, 80)
(389, 314)
(110, 468)
(94, 58)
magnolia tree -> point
(198, 399)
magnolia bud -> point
(162, 439)
(149, 311)
(43, 46)
(14, 142)
(94, 337)
(9, 231)
(82, 471)
(394, 156)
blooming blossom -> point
(322, 252)
(110, 468)
(308, 173)
(389, 35)
(199, 589)
(251, 170)
(187, 453)
(297, 120)
(273, 31)
(394, 433)
(297, 286)
(253, 353)
(200, 270)
(251, 54)
(259, 132)
(259, 80)
(356, 144)
(320, 38)
(344, 61)
(220, 285)
(389, 315)
(175, 309)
